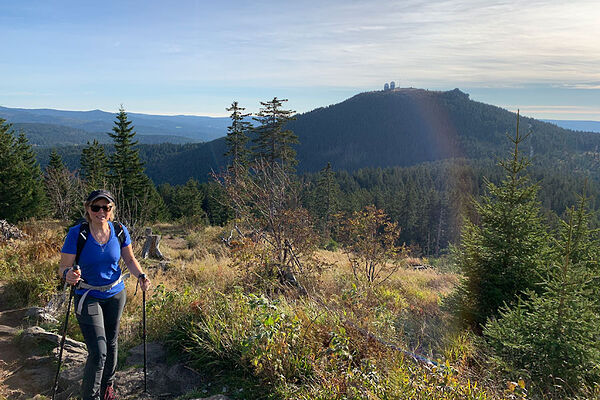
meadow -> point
(341, 339)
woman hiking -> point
(96, 246)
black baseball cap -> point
(100, 194)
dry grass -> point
(199, 272)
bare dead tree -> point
(276, 229)
(65, 191)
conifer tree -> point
(274, 143)
(56, 161)
(21, 190)
(187, 203)
(326, 198)
(237, 137)
(126, 169)
(137, 197)
(552, 336)
(94, 165)
(503, 255)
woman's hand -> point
(73, 276)
(144, 282)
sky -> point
(196, 57)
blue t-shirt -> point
(99, 262)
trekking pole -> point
(143, 276)
(64, 336)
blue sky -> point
(196, 57)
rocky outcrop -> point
(35, 374)
(8, 231)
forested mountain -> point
(409, 126)
(195, 128)
(52, 135)
(419, 155)
(400, 127)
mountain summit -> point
(403, 127)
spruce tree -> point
(126, 169)
(552, 336)
(237, 137)
(56, 161)
(326, 201)
(273, 142)
(21, 190)
(136, 195)
(503, 254)
(187, 203)
(94, 166)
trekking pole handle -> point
(76, 268)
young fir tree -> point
(21, 190)
(552, 336)
(237, 137)
(503, 255)
(94, 166)
(55, 162)
(274, 143)
(187, 203)
(215, 204)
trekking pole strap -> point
(83, 285)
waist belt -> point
(82, 285)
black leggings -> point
(99, 323)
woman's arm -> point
(134, 266)
(66, 261)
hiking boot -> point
(109, 394)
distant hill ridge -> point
(400, 127)
(194, 128)
(575, 125)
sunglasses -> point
(96, 208)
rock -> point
(40, 315)
(34, 373)
(37, 369)
(35, 336)
(163, 380)
(155, 354)
(7, 331)
(8, 231)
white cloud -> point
(477, 42)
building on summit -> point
(389, 86)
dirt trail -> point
(27, 371)
(11, 358)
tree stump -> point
(151, 246)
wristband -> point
(142, 276)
